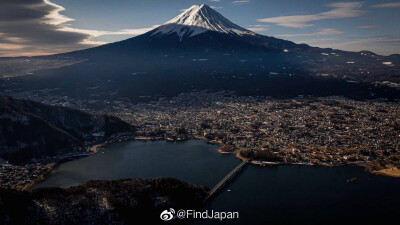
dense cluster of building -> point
(21, 177)
(318, 131)
(305, 130)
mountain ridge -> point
(173, 61)
(199, 19)
(30, 129)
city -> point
(312, 131)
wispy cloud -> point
(36, 27)
(241, 1)
(325, 31)
(54, 17)
(339, 10)
(97, 33)
(30, 27)
(257, 28)
(368, 26)
(387, 5)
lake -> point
(261, 195)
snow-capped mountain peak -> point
(199, 19)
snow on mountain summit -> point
(199, 19)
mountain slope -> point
(33, 130)
(200, 49)
(199, 28)
(199, 19)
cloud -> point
(387, 5)
(368, 26)
(36, 27)
(339, 10)
(257, 28)
(325, 31)
(241, 1)
(54, 17)
(98, 33)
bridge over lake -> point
(226, 179)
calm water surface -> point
(192, 161)
(273, 195)
(310, 195)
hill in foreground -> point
(30, 129)
(128, 201)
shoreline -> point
(390, 171)
(49, 167)
(91, 150)
(365, 164)
(95, 148)
(387, 170)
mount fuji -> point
(201, 27)
(199, 19)
(202, 50)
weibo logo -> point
(167, 215)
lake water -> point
(192, 161)
(272, 195)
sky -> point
(40, 27)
